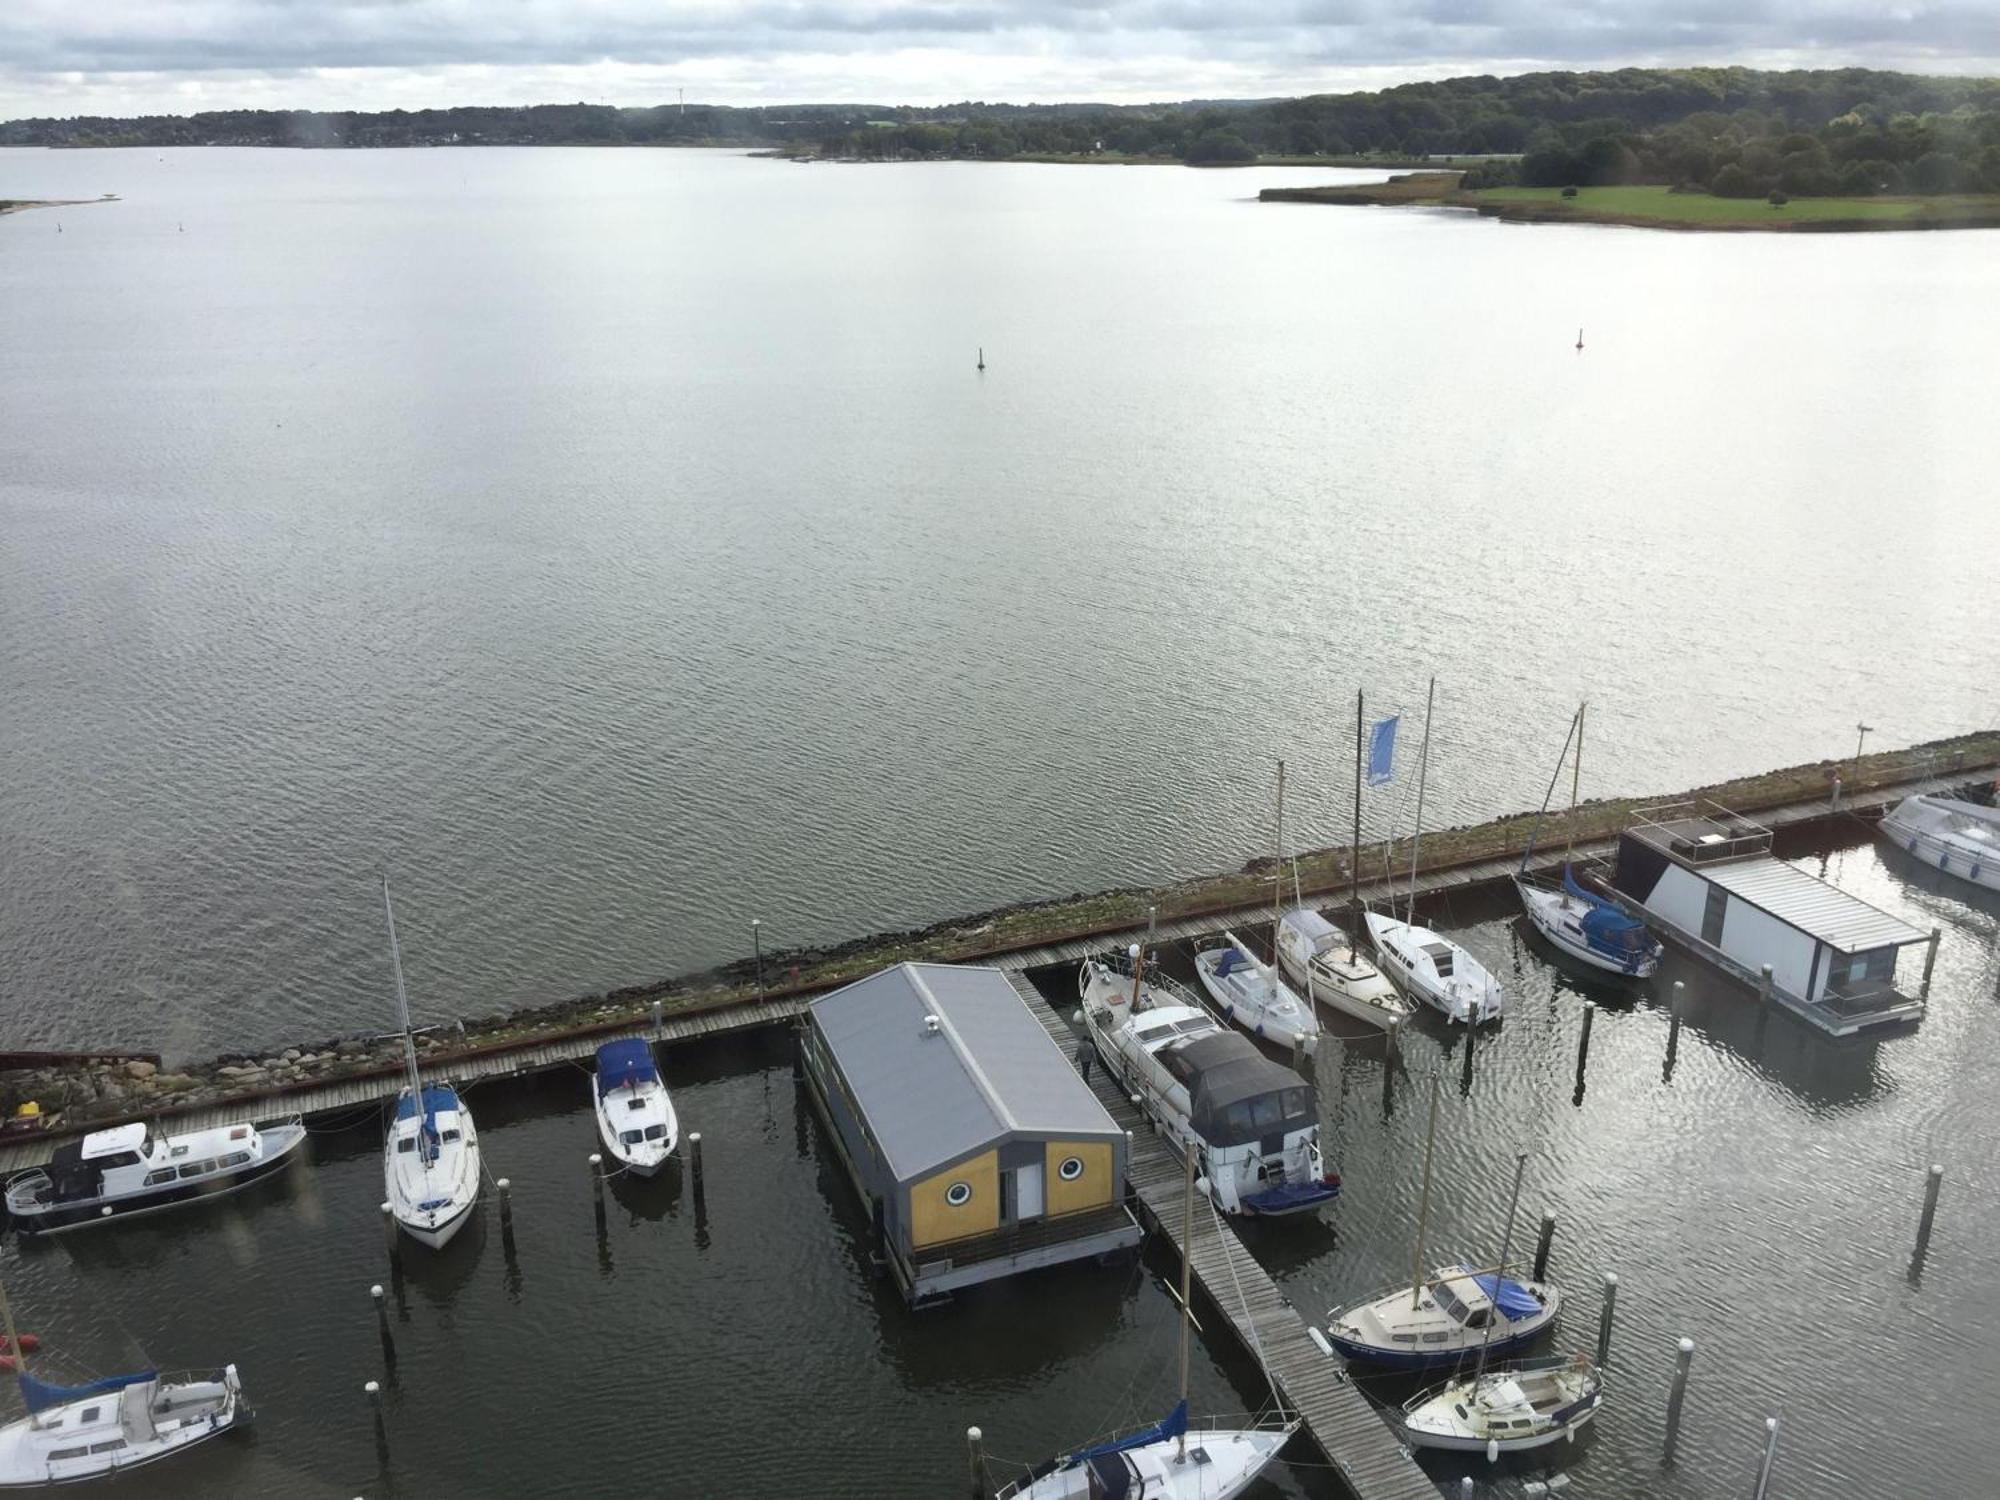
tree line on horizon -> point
(1731, 131)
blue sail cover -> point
(1606, 926)
(628, 1060)
(1514, 1300)
(1172, 1425)
(40, 1395)
(437, 1097)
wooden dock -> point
(1349, 1429)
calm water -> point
(621, 545)
(1761, 1201)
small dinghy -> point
(1324, 962)
(1252, 995)
(1528, 1404)
(1960, 838)
(109, 1426)
(1436, 971)
(634, 1115)
(130, 1170)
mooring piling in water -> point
(1542, 1244)
(1930, 962)
(1933, 1180)
(1676, 1002)
(1604, 1317)
(506, 1187)
(1764, 985)
(1465, 1488)
(389, 1238)
(373, 1391)
(1678, 1396)
(1465, 1072)
(694, 1164)
(1583, 1049)
(975, 1450)
(1770, 1458)
(596, 1164)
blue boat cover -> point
(629, 1060)
(40, 1395)
(1606, 926)
(1232, 960)
(1172, 1425)
(437, 1096)
(1288, 1197)
(1514, 1300)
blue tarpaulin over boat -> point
(40, 1395)
(1607, 927)
(437, 1098)
(1172, 1425)
(1514, 1300)
(1232, 959)
(629, 1060)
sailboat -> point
(430, 1160)
(1168, 1460)
(1440, 1319)
(112, 1425)
(1427, 965)
(1250, 991)
(1589, 928)
(1512, 1407)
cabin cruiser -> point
(1446, 1319)
(1252, 995)
(130, 1169)
(109, 1426)
(1516, 1407)
(634, 1115)
(1252, 1124)
(1166, 1461)
(1589, 928)
(1324, 962)
(1960, 838)
(1435, 970)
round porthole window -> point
(1071, 1169)
(958, 1194)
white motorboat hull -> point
(643, 1158)
(1558, 917)
(1961, 839)
(278, 1145)
(1469, 995)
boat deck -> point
(1350, 1430)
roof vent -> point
(931, 1027)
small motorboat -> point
(1528, 1404)
(110, 1426)
(1433, 969)
(1323, 961)
(131, 1169)
(1960, 838)
(1443, 1320)
(1252, 995)
(634, 1115)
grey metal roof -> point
(1803, 901)
(990, 1070)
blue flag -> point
(1382, 750)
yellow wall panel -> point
(933, 1220)
(1094, 1189)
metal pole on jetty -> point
(1354, 860)
(1677, 1397)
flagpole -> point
(1354, 870)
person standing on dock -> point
(1085, 1055)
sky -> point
(123, 57)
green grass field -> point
(1698, 209)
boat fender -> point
(1975, 869)
(1944, 859)
(1912, 845)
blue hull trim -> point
(1400, 1360)
(1290, 1199)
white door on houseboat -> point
(1028, 1192)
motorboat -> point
(1960, 838)
(430, 1157)
(111, 1426)
(1512, 1407)
(1253, 1124)
(1323, 961)
(1170, 1460)
(1251, 993)
(1444, 1319)
(634, 1114)
(1436, 971)
(133, 1169)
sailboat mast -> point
(1423, 770)
(1278, 880)
(1424, 1204)
(1187, 1274)
(1500, 1270)
(1535, 832)
(1354, 866)
(1575, 780)
(402, 1001)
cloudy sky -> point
(62, 57)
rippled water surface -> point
(620, 545)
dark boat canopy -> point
(1236, 1093)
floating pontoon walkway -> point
(1345, 1424)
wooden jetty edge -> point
(1363, 1449)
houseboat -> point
(1706, 878)
(1252, 1123)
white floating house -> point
(1706, 878)
(976, 1147)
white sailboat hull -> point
(1253, 996)
(1436, 971)
(128, 1429)
(1219, 1465)
(431, 1186)
(1329, 970)
(1558, 917)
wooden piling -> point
(1764, 985)
(694, 1163)
(597, 1176)
(975, 1448)
(381, 1302)
(1583, 1049)
(1604, 1318)
(389, 1236)
(1676, 1004)
(659, 1019)
(1770, 1457)
(506, 1187)
(1542, 1247)
(1932, 1183)
(1678, 1396)
(1930, 962)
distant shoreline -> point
(15, 205)
(1660, 207)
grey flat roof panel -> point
(1803, 901)
(991, 1069)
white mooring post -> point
(975, 1448)
(1678, 1396)
(1770, 1457)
